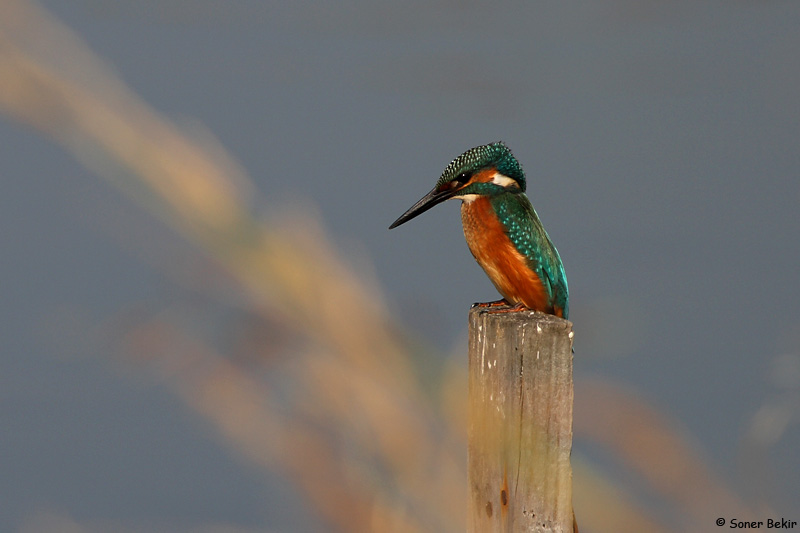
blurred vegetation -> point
(321, 384)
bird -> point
(502, 229)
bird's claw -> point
(496, 303)
(500, 306)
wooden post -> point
(520, 422)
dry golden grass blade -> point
(423, 467)
(50, 521)
(602, 507)
(292, 272)
(262, 429)
(651, 444)
(356, 379)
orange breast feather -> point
(506, 267)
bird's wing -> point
(525, 230)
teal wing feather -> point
(525, 230)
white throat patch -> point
(503, 180)
(467, 197)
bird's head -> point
(486, 170)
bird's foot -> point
(507, 309)
(500, 306)
(496, 303)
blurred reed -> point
(338, 405)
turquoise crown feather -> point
(496, 155)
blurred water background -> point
(206, 325)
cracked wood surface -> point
(520, 422)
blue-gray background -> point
(661, 146)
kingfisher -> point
(502, 229)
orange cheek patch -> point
(484, 176)
(505, 266)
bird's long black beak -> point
(426, 202)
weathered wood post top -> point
(520, 422)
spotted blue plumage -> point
(525, 230)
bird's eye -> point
(459, 180)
